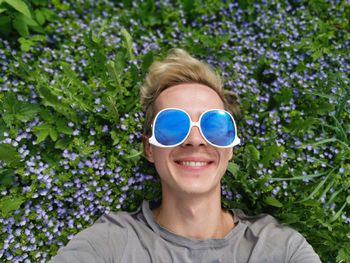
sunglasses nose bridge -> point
(195, 137)
(194, 124)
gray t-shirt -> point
(136, 237)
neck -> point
(197, 217)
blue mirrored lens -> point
(218, 127)
(171, 127)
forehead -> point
(194, 98)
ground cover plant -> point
(70, 124)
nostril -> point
(195, 138)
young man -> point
(189, 135)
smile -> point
(194, 164)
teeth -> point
(194, 163)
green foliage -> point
(20, 18)
(9, 204)
(14, 110)
(71, 121)
(8, 153)
(273, 202)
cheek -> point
(159, 153)
(162, 163)
(227, 154)
(161, 157)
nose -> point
(195, 138)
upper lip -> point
(194, 159)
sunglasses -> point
(171, 127)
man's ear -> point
(147, 149)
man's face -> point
(194, 167)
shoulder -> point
(106, 239)
(278, 240)
(107, 226)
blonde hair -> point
(177, 68)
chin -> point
(193, 187)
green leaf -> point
(41, 135)
(115, 137)
(5, 25)
(9, 104)
(69, 73)
(120, 60)
(311, 202)
(62, 127)
(127, 3)
(2, 10)
(9, 204)
(300, 125)
(37, 29)
(39, 16)
(252, 152)
(319, 186)
(49, 14)
(53, 134)
(7, 177)
(134, 72)
(27, 20)
(337, 215)
(21, 27)
(233, 168)
(147, 61)
(343, 254)
(269, 153)
(290, 218)
(40, 2)
(21, 23)
(301, 177)
(188, 6)
(134, 155)
(97, 38)
(47, 116)
(328, 187)
(251, 157)
(26, 111)
(324, 141)
(4, 20)
(51, 100)
(61, 144)
(3, 129)
(20, 6)
(334, 195)
(38, 38)
(26, 44)
(127, 42)
(324, 108)
(8, 153)
(284, 95)
(111, 104)
(59, 5)
(42, 127)
(273, 202)
(112, 71)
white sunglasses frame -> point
(152, 140)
